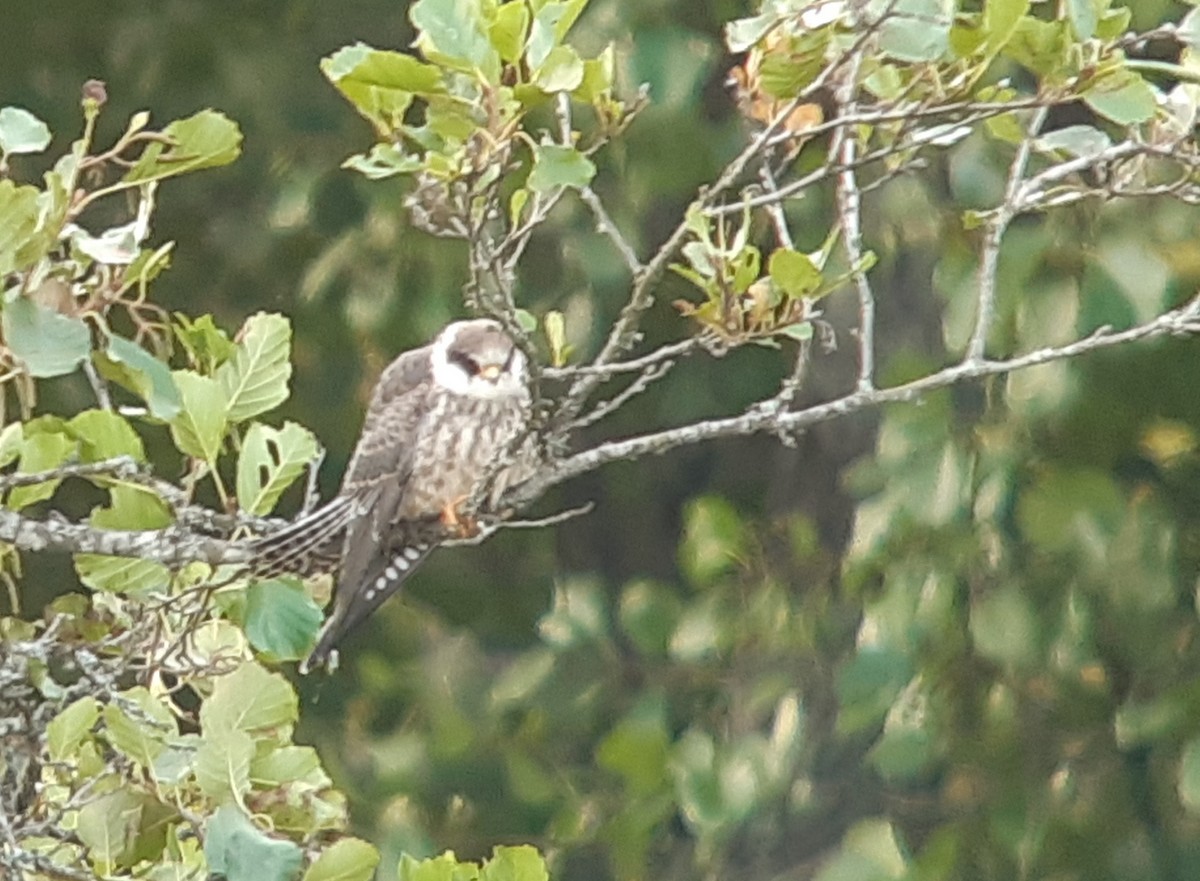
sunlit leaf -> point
(562, 71)
(349, 859)
(44, 446)
(18, 222)
(68, 729)
(205, 140)
(249, 699)
(199, 427)
(270, 461)
(1124, 97)
(256, 378)
(794, 272)
(139, 725)
(556, 166)
(107, 825)
(104, 434)
(452, 31)
(222, 764)
(131, 507)
(22, 132)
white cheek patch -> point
(449, 375)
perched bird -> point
(443, 421)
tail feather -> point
(309, 546)
(354, 604)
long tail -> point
(309, 546)
(355, 603)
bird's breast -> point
(458, 444)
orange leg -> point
(456, 522)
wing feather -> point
(381, 469)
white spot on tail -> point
(412, 553)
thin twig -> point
(849, 199)
(985, 307)
(606, 227)
(649, 376)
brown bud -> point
(94, 92)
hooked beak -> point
(491, 372)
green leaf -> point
(199, 427)
(1005, 628)
(507, 31)
(365, 66)
(1040, 46)
(518, 863)
(349, 859)
(562, 71)
(1075, 140)
(869, 852)
(105, 434)
(69, 728)
(249, 699)
(1189, 777)
(381, 83)
(237, 850)
(207, 139)
(913, 30)
(141, 732)
(440, 868)
(637, 749)
(801, 331)
(1083, 18)
(794, 272)
(598, 75)
(578, 616)
(222, 764)
(383, 161)
(1124, 97)
(868, 686)
(281, 619)
(270, 461)
(551, 22)
(742, 33)
(1000, 19)
(255, 381)
(527, 320)
(712, 539)
(702, 632)
(452, 32)
(556, 166)
(22, 132)
(649, 614)
(107, 826)
(18, 222)
(207, 345)
(43, 448)
(131, 508)
(286, 765)
(144, 374)
(47, 342)
(12, 436)
(556, 336)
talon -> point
(458, 523)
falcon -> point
(447, 422)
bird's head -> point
(478, 358)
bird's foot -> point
(460, 524)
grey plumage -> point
(440, 422)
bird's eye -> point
(465, 361)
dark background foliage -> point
(538, 688)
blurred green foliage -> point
(959, 642)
